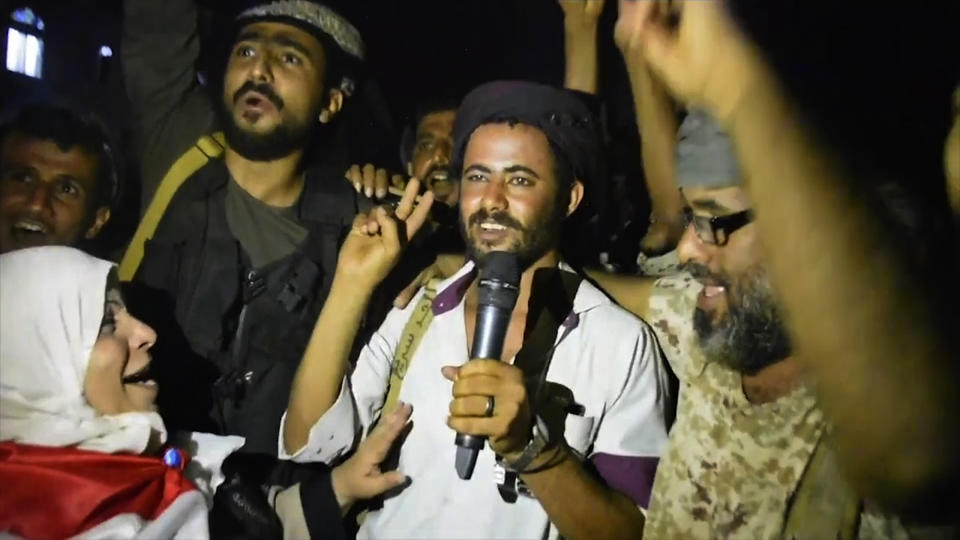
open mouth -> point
(712, 294)
(143, 376)
(491, 233)
(713, 290)
(29, 227)
(257, 101)
(437, 176)
(490, 226)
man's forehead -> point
(509, 141)
(281, 33)
(717, 201)
(437, 121)
(27, 149)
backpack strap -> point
(206, 148)
(413, 332)
(551, 302)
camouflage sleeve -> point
(672, 304)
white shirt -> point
(607, 357)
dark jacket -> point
(232, 336)
(229, 340)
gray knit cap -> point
(705, 155)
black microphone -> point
(498, 288)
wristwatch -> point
(539, 441)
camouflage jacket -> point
(732, 468)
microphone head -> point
(499, 280)
(500, 266)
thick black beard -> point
(280, 142)
(752, 335)
(535, 240)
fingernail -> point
(381, 193)
(356, 187)
(369, 192)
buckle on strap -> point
(509, 483)
(253, 285)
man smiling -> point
(583, 417)
(58, 178)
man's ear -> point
(576, 196)
(333, 106)
(99, 220)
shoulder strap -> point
(206, 148)
(413, 332)
(824, 505)
(550, 304)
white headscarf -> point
(51, 310)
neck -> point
(276, 183)
(774, 381)
(548, 260)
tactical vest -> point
(231, 336)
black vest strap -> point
(551, 302)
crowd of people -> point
(286, 348)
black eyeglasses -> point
(716, 230)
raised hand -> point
(377, 238)
(580, 21)
(360, 476)
(694, 47)
(373, 182)
(579, 14)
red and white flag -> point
(56, 493)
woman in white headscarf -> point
(77, 408)
(75, 389)
(68, 343)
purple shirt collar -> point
(451, 296)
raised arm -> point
(657, 123)
(580, 20)
(631, 292)
(171, 109)
(371, 250)
(868, 331)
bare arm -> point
(867, 330)
(886, 377)
(631, 292)
(316, 384)
(657, 123)
(371, 250)
(579, 504)
(580, 18)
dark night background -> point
(431, 47)
(875, 79)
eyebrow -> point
(281, 39)
(711, 205)
(481, 168)
(521, 168)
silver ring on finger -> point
(490, 406)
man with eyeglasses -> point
(749, 454)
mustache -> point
(437, 168)
(500, 218)
(261, 88)
(702, 273)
